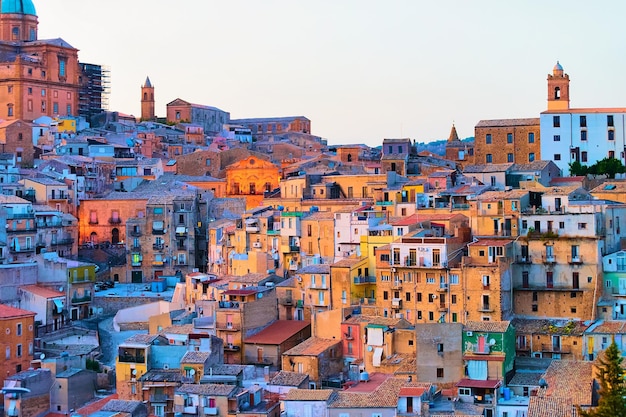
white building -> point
(586, 135)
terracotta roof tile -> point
(8, 312)
(278, 332)
(195, 357)
(312, 347)
(310, 395)
(42, 291)
(289, 379)
(487, 326)
(208, 389)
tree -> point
(576, 169)
(608, 167)
(612, 401)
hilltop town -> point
(200, 265)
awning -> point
(378, 356)
(476, 383)
(251, 220)
(59, 306)
(180, 229)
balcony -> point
(136, 248)
(397, 285)
(160, 398)
(384, 203)
(157, 246)
(229, 305)
(21, 249)
(43, 225)
(442, 288)
(285, 301)
(252, 229)
(63, 242)
(442, 307)
(80, 300)
(575, 260)
(211, 411)
(523, 259)
(480, 350)
(26, 228)
(136, 262)
(158, 262)
(58, 196)
(158, 231)
(231, 348)
(555, 348)
(186, 409)
(396, 302)
(364, 280)
(135, 232)
(548, 260)
(93, 221)
(486, 308)
(125, 358)
(115, 220)
(17, 216)
(181, 231)
(228, 326)
(522, 348)
(294, 248)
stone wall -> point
(111, 305)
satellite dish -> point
(42, 356)
(369, 348)
(192, 372)
(134, 372)
(492, 341)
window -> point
(385, 295)
(454, 317)
(583, 135)
(439, 347)
(454, 279)
(19, 351)
(488, 138)
(439, 372)
(582, 226)
(557, 138)
(489, 158)
(8, 353)
(583, 121)
(611, 135)
(509, 157)
(535, 308)
(556, 121)
(453, 300)
(431, 316)
(557, 156)
(419, 297)
(419, 314)
(583, 156)
(509, 138)
(609, 120)
(10, 110)
(69, 109)
(18, 330)
(55, 107)
(611, 154)
(62, 63)
(408, 296)
(531, 137)
(531, 157)
(465, 391)
(43, 92)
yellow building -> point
(66, 125)
(316, 239)
(133, 359)
(497, 213)
(352, 282)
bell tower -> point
(147, 101)
(558, 89)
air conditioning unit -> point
(433, 296)
(393, 269)
(256, 244)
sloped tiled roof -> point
(195, 357)
(208, 389)
(312, 347)
(487, 326)
(289, 379)
(278, 332)
(310, 395)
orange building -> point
(250, 178)
(507, 140)
(37, 77)
(17, 339)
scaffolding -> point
(95, 88)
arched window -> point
(349, 157)
(557, 93)
(16, 33)
(145, 96)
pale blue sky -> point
(361, 70)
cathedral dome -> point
(557, 67)
(18, 6)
